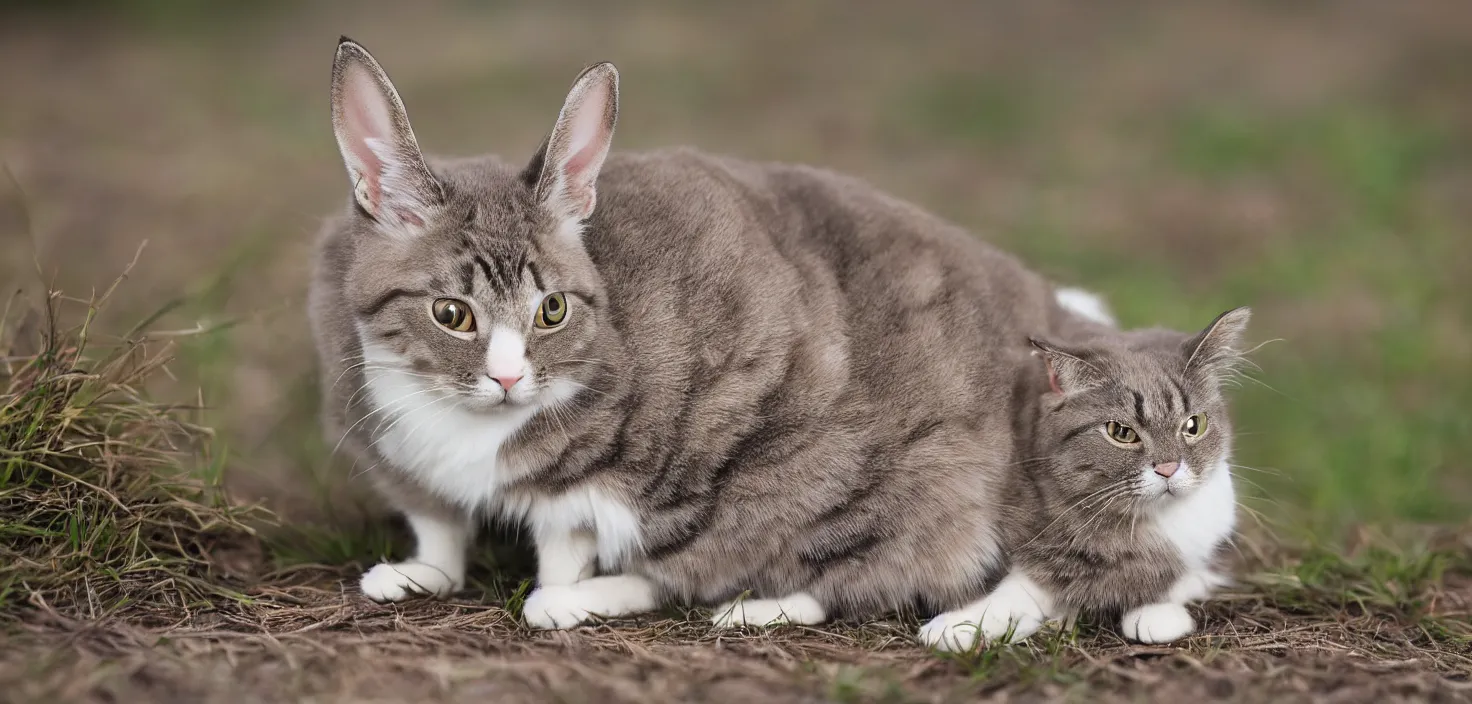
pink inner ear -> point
(581, 170)
(1053, 379)
(366, 117)
(587, 138)
(579, 162)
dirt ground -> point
(1313, 159)
(307, 638)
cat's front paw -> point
(1157, 623)
(988, 621)
(567, 605)
(950, 632)
(555, 607)
(800, 608)
(399, 581)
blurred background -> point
(1310, 159)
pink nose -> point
(1165, 469)
(507, 382)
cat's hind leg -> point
(438, 566)
(798, 608)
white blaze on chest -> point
(1199, 522)
(454, 451)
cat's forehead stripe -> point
(501, 267)
(531, 266)
(1185, 398)
(467, 277)
(485, 268)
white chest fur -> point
(455, 453)
(452, 450)
(1198, 523)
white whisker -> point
(380, 431)
(1064, 512)
(1269, 471)
(345, 373)
(396, 402)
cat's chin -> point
(1163, 496)
(490, 405)
(1161, 491)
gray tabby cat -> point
(687, 376)
(1122, 447)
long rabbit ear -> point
(390, 179)
(566, 184)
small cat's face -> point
(1141, 420)
(485, 305)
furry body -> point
(780, 379)
(690, 377)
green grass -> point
(101, 506)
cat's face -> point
(487, 303)
(470, 281)
(1140, 420)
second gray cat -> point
(688, 377)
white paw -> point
(958, 631)
(555, 607)
(1157, 623)
(401, 580)
(565, 606)
(800, 608)
(950, 632)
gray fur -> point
(797, 382)
(1094, 543)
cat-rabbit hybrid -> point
(690, 376)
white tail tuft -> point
(1085, 304)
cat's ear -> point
(390, 180)
(567, 165)
(1217, 349)
(1068, 372)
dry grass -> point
(97, 513)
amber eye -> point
(1194, 427)
(552, 311)
(1120, 434)
(453, 315)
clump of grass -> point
(1384, 585)
(98, 507)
